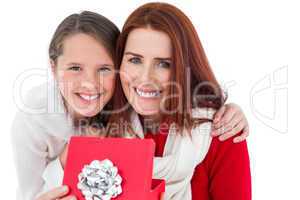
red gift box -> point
(132, 157)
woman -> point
(166, 78)
(156, 48)
(40, 143)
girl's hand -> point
(64, 153)
(63, 156)
(57, 194)
(228, 121)
(162, 196)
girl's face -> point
(145, 70)
(85, 75)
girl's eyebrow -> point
(74, 63)
(100, 65)
(106, 65)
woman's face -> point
(85, 74)
(145, 70)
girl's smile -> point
(88, 98)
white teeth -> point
(89, 97)
(147, 94)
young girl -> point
(82, 56)
(82, 61)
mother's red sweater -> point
(224, 174)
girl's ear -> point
(53, 67)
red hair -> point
(190, 67)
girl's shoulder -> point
(42, 110)
(44, 97)
(36, 97)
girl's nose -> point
(88, 85)
(90, 81)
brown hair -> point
(98, 27)
(93, 24)
(189, 62)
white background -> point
(253, 47)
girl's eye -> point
(164, 64)
(74, 68)
(135, 60)
(104, 69)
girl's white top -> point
(39, 131)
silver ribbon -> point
(100, 180)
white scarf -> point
(182, 153)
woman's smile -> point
(147, 93)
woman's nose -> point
(146, 73)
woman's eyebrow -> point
(133, 54)
(163, 59)
(138, 55)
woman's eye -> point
(74, 68)
(135, 60)
(164, 64)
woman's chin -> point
(147, 111)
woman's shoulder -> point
(225, 162)
(202, 120)
(203, 112)
(200, 132)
